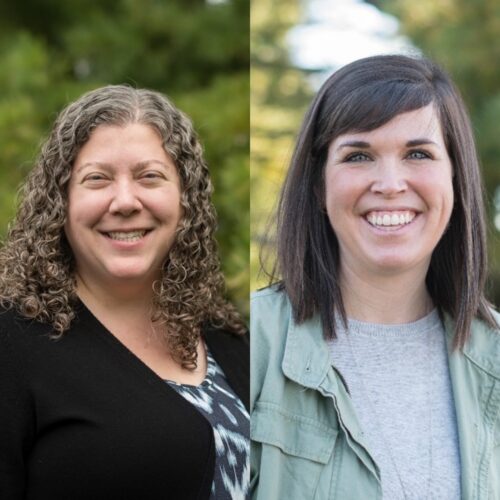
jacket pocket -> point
(295, 449)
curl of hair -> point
(36, 263)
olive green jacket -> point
(306, 439)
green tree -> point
(279, 94)
(195, 51)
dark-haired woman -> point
(123, 372)
(375, 355)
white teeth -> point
(130, 236)
(390, 219)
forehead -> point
(123, 145)
(131, 133)
(417, 124)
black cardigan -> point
(83, 418)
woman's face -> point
(123, 206)
(389, 194)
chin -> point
(129, 274)
(394, 264)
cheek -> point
(85, 208)
(437, 191)
(342, 191)
(165, 204)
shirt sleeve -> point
(16, 430)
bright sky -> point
(336, 32)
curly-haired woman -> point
(123, 372)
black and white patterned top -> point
(218, 403)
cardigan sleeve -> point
(16, 422)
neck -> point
(389, 299)
(129, 305)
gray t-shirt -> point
(399, 382)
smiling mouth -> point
(127, 235)
(390, 218)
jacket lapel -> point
(307, 362)
(475, 379)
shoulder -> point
(17, 329)
(229, 349)
(219, 339)
(485, 337)
(496, 317)
(484, 345)
(270, 296)
(35, 348)
(270, 309)
(270, 316)
(10, 319)
(232, 353)
(20, 341)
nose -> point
(389, 178)
(125, 199)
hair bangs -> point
(372, 106)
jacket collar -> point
(306, 359)
(307, 362)
(483, 346)
(477, 401)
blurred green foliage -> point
(279, 94)
(195, 51)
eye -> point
(356, 157)
(152, 175)
(94, 177)
(419, 155)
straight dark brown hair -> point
(359, 97)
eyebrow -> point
(354, 144)
(137, 166)
(365, 145)
(420, 142)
